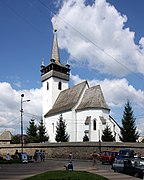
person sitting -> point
(69, 167)
(8, 157)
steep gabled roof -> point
(67, 99)
(93, 98)
(6, 136)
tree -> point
(107, 135)
(85, 138)
(42, 135)
(128, 131)
(61, 134)
(15, 139)
(32, 132)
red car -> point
(108, 156)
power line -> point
(24, 19)
(97, 46)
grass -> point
(66, 175)
(11, 161)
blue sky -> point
(103, 41)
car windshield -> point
(107, 153)
(125, 153)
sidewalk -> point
(109, 174)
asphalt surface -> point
(21, 171)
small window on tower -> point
(59, 85)
(94, 124)
(47, 86)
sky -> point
(102, 40)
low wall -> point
(80, 150)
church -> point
(83, 108)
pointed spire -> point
(42, 62)
(55, 50)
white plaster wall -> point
(76, 125)
(81, 116)
(51, 123)
(50, 95)
(95, 135)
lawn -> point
(66, 175)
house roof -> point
(93, 98)
(67, 99)
(6, 135)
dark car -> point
(108, 156)
(125, 153)
(130, 166)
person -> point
(42, 155)
(8, 157)
(16, 154)
(94, 157)
(69, 166)
(70, 156)
(35, 155)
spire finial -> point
(42, 61)
(55, 28)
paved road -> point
(20, 171)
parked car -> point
(130, 166)
(125, 153)
(108, 156)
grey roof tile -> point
(67, 99)
(93, 98)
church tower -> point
(54, 77)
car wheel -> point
(102, 162)
(136, 174)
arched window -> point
(59, 85)
(47, 86)
(94, 124)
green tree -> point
(15, 139)
(42, 134)
(107, 135)
(32, 132)
(61, 134)
(128, 131)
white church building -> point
(83, 108)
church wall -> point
(75, 125)
(51, 123)
(93, 134)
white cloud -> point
(10, 101)
(116, 91)
(97, 34)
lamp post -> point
(21, 111)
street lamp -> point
(21, 111)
